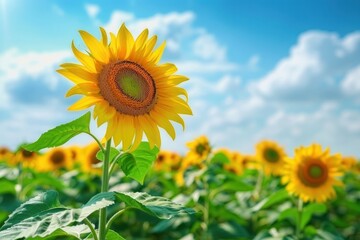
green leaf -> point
(113, 153)
(220, 158)
(310, 210)
(7, 187)
(158, 207)
(69, 231)
(61, 134)
(238, 186)
(42, 216)
(112, 235)
(32, 207)
(137, 164)
(273, 199)
(290, 213)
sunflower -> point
(89, 160)
(167, 161)
(235, 161)
(271, 156)
(55, 159)
(312, 173)
(348, 163)
(199, 148)
(249, 162)
(26, 158)
(131, 91)
(5, 154)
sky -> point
(282, 70)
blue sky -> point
(282, 70)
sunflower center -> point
(27, 154)
(128, 87)
(314, 174)
(315, 171)
(271, 155)
(57, 158)
(200, 148)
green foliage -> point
(138, 163)
(43, 215)
(159, 207)
(61, 134)
(113, 153)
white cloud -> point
(312, 69)
(351, 82)
(92, 10)
(17, 68)
(195, 66)
(207, 48)
(116, 19)
(227, 85)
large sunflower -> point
(272, 157)
(130, 90)
(312, 173)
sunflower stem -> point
(259, 182)
(298, 225)
(104, 188)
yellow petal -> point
(78, 75)
(117, 133)
(151, 131)
(125, 42)
(98, 51)
(157, 54)
(83, 88)
(170, 114)
(104, 38)
(128, 131)
(150, 44)
(113, 46)
(171, 80)
(162, 70)
(173, 91)
(85, 102)
(138, 134)
(164, 123)
(177, 104)
(85, 59)
(140, 41)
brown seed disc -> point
(128, 87)
(57, 158)
(313, 174)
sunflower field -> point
(233, 195)
(125, 186)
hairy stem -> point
(104, 188)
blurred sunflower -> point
(271, 155)
(235, 161)
(199, 148)
(5, 154)
(250, 162)
(26, 158)
(348, 163)
(167, 161)
(89, 161)
(129, 89)
(312, 173)
(55, 159)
